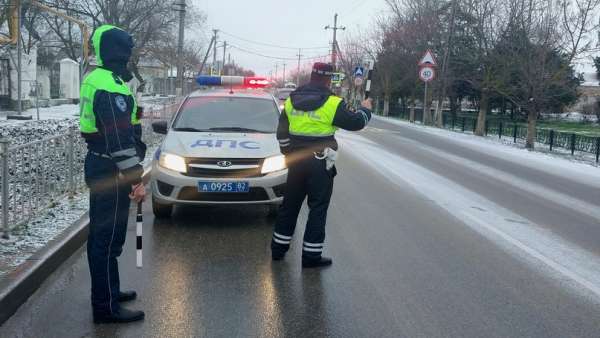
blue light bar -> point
(208, 80)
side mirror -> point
(160, 127)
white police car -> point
(220, 148)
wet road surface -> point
(431, 237)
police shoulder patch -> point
(121, 103)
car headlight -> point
(172, 162)
(274, 163)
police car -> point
(220, 148)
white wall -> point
(28, 73)
(69, 79)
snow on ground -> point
(558, 162)
(65, 111)
(572, 117)
(567, 263)
(55, 121)
(26, 240)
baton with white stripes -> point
(369, 77)
(138, 232)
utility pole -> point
(284, 74)
(206, 55)
(214, 65)
(276, 71)
(224, 54)
(298, 70)
(179, 86)
(230, 72)
(335, 28)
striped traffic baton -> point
(369, 78)
(138, 232)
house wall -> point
(588, 95)
(69, 79)
(28, 74)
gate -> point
(55, 81)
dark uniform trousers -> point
(307, 177)
(109, 211)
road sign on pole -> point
(359, 71)
(427, 74)
(428, 59)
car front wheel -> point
(161, 210)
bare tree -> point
(149, 21)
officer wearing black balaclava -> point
(110, 125)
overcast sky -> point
(298, 23)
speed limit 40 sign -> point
(427, 73)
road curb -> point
(20, 284)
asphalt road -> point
(432, 236)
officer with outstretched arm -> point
(311, 116)
(110, 125)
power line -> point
(269, 44)
(354, 6)
(274, 57)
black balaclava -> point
(115, 47)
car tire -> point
(161, 210)
(273, 210)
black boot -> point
(121, 316)
(126, 296)
(316, 263)
(277, 256)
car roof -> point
(222, 92)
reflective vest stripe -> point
(311, 135)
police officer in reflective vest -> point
(311, 116)
(110, 125)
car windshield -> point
(228, 114)
(284, 94)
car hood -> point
(221, 145)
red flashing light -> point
(256, 82)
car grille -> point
(225, 172)
(192, 194)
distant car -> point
(220, 148)
(282, 94)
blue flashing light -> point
(209, 80)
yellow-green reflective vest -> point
(316, 123)
(100, 79)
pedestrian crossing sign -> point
(359, 71)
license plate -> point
(228, 187)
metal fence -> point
(571, 142)
(38, 174)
